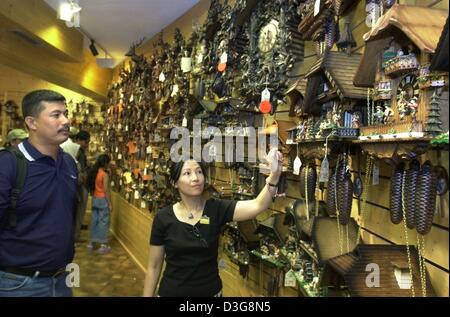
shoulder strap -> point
(21, 174)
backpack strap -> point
(21, 174)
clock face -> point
(408, 88)
(268, 36)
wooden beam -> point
(85, 78)
(37, 20)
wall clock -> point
(268, 36)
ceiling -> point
(116, 24)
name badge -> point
(204, 220)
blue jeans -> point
(99, 220)
(13, 285)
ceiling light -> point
(70, 12)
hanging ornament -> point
(265, 106)
(223, 62)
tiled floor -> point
(111, 274)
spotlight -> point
(93, 48)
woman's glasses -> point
(198, 235)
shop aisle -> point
(111, 274)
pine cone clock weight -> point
(410, 193)
(396, 194)
(425, 198)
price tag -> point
(297, 166)
(265, 95)
(162, 77)
(149, 149)
(121, 183)
(184, 124)
(131, 98)
(117, 149)
(119, 157)
(316, 7)
(87, 111)
(126, 128)
(175, 90)
(289, 279)
(143, 205)
(324, 170)
(136, 194)
(199, 58)
(119, 126)
(186, 64)
(145, 171)
(224, 58)
(107, 132)
(376, 173)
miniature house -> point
(396, 64)
(352, 271)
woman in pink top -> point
(98, 186)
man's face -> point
(51, 125)
(84, 144)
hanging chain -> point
(369, 166)
(422, 269)
(408, 253)
(337, 208)
(348, 242)
(306, 191)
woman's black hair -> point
(102, 162)
(175, 169)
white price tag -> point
(143, 205)
(265, 95)
(186, 64)
(136, 194)
(119, 126)
(162, 77)
(175, 90)
(184, 124)
(316, 7)
(324, 170)
(224, 58)
(376, 173)
(149, 149)
(126, 128)
(145, 171)
(117, 149)
(199, 58)
(297, 166)
(121, 183)
(131, 98)
(289, 279)
(87, 111)
(119, 157)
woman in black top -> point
(187, 233)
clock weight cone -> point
(396, 194)
(308, 175)
(425, 198)
(410, 193)
(345, 202)
(331, 194)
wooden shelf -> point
(277, 264)
(387, 148)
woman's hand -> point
(275, 159)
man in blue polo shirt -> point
(35, 252)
